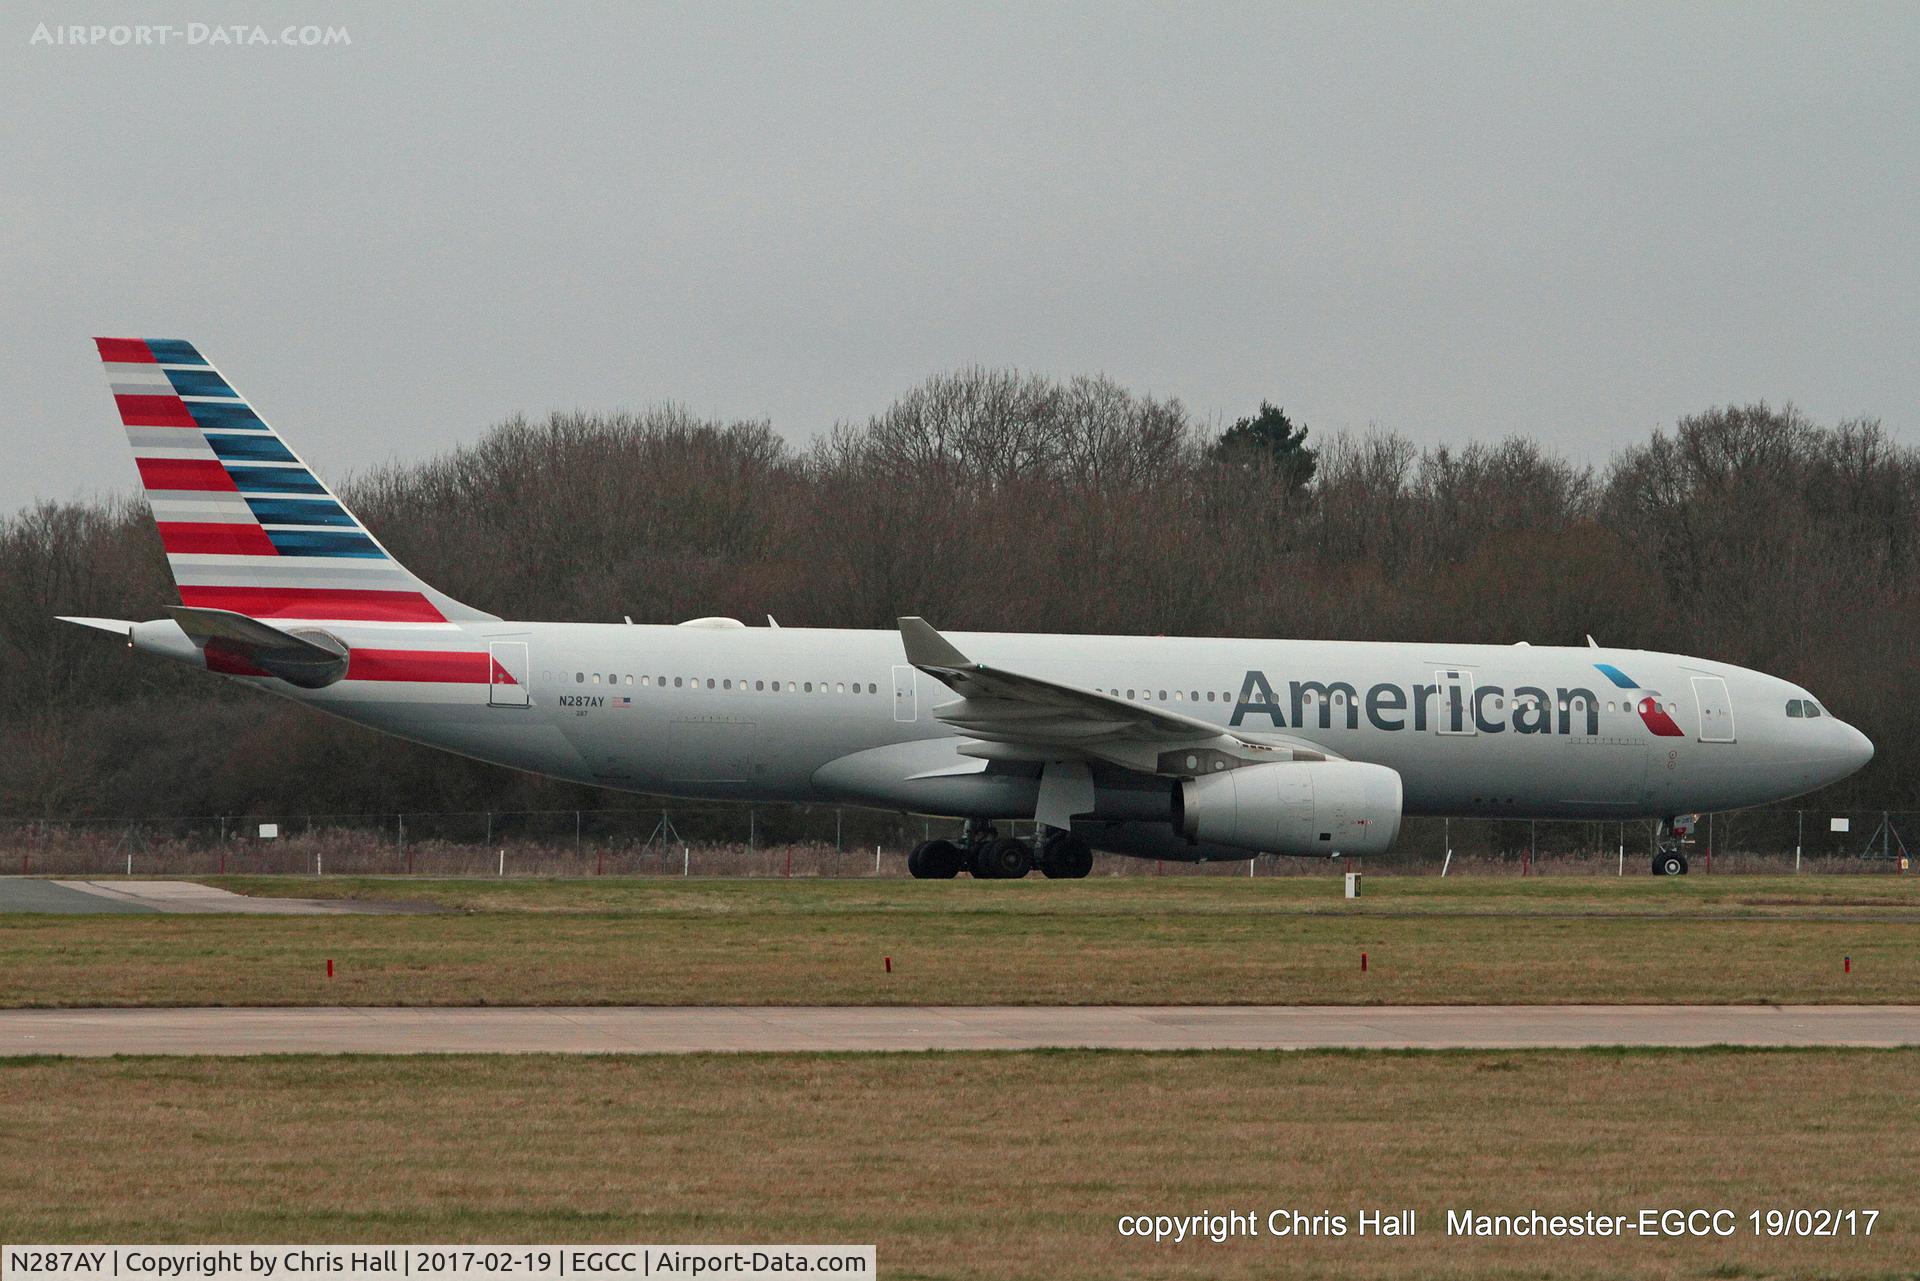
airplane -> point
(1169, 748)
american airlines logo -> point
(1451, 706)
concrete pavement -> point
(674, 1030)
(30, 894)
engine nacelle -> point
(1295, 807)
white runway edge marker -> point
(464, 1262)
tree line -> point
(997, 500)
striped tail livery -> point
(248, 528)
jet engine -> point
(1294, 807)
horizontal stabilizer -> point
(118, 626)
(307, 656)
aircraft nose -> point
(1858, 749)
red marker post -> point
(1363, 962)
(889, 965)
(329, 967)
(1846, 965)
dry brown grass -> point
(976, 1165)
(1030, 942)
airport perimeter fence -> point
(821, 841)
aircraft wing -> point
(1021, 711)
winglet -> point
(928, 648)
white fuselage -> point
(789, 714)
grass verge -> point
(1282, 940)
(978, 1165)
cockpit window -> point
(1813, 709)
(1803, 708)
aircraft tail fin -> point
(248, 528)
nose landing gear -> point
(1668, 858)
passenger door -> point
(507, 674)
(1716, 709)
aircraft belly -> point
(929, 776)
(520, 738)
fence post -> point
(750, 829)
(576, 831)
(838, 847)
(1799, 837)
(1623, 851)
(489, 827)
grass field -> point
(1139, 941)
(990, 1165)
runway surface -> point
(680, 1030)
(30, 894)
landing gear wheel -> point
(1670, 864)
(1067, 858)
(934, 861)
(1006, 859)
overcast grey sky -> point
(1577, 222)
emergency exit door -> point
(1453, 703)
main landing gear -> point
(992, 857)
(1668, 858)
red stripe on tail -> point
(154, 411)
(215, 539)
(124, 351)
(346, 604)
(185, 473)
